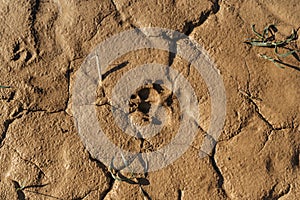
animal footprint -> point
(22, 52)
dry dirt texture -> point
(43, 44)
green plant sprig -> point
(2, 86)
(116, 175)
(267, 39)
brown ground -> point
(43, 44)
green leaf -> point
(256, 33)
(1, 86)
(272, 60)
(292, 37)
(283, 55)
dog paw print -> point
(145, 101)
(22, 52)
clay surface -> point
(43, 45)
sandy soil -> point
(43, 45)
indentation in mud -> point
(23, 52)
(295, 159)
(144, 101)
(143, 106)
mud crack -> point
(99, 21)
(116, 8)
(120, 15)
(6, 126)
(68, 77)
(35, 5)
(41, 172)
(271, 192)
(261, 116)
(179, 191)
(218, 171)
(251, 99)
(16, 115)
(190, 26)
(111, 181)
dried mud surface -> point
(44, 43)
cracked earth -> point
(44, 43)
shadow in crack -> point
(114, 69)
